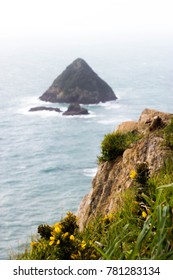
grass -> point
(146, 236)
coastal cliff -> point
(128, 214)
(113, 177)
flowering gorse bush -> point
(62, 241)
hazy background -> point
(84, 22)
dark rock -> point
(42, 108)
(79, 84)
(156, 123)
(75, 109)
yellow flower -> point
(52, 238)
(57, 229)
(74, 256)
(58, 242)
(72, 237)
(108, 218)
(51, 242)
(64, 235)
(105, 218)
(133, 174)
(57, 224)
(83, 244)
(32, 244)
(144, 214)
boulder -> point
(78, 83)
(75, 109)
(42, 108)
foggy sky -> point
(85, 20)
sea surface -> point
(47, 161)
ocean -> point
(47, 161)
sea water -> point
(47, 161)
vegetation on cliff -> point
(139, 227)
(114, 144)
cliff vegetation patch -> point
(114, 144)
(141, 229)
(168, 135)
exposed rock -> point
(75, 109)
(113, 178)
(79, 84)
(42, 108)
(148, 121)
(127, 126)
(156, 123)
(149, 114)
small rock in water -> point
(42, 108)
(75, 109)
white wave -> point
(106, 104)
(116, 120)
(28, 102)
(101, 104)
(114, 106)
(107, 121)
(90, 172)
(89, 116)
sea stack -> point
(78, 83)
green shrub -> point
(114, 144)
(168, 135)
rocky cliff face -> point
(79, 84)
(113, 178)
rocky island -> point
(78, 83)
(75, 109)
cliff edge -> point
(113, 177)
